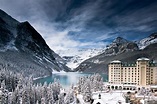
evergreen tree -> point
(69, 97)
(87, 95)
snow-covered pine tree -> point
(69, 97)
(87, 95)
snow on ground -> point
(106, 98)
(80, 97)
(40, 77)
(146, 41)
(59, 72)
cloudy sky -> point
(66, 24)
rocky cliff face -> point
(18, 39)
(120, 45)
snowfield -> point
(106, 98)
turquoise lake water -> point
(67, 79)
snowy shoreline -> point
(40, 77)
(54, 72)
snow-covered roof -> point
(153, 86)
(140, 59)
(98, 101)
(108, 98)
(115, 61)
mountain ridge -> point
(18, 39)
(100, 62)
(147, 41)
(120, 45)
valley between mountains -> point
(23, 50)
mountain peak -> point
(119, 37)
(120, 45)
(22, 38)
(120, 40)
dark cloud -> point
(90, 20)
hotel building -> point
(143, 72)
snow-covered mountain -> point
(147, 41)
(120, 45)
(121, 49)
(74, 57)
(23, 49)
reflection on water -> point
(66, 79)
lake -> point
(67, 79)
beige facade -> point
(143, 72)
